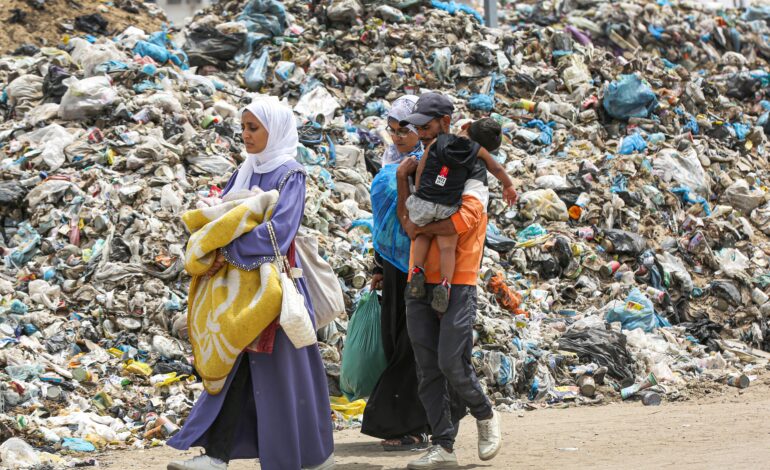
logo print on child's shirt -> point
(442, 175)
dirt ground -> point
(43, 27)
(729, 430)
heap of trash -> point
(636, 264)
(33, 24)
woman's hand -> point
(219, 261)
(376, 282)
(510, 196)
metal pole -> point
(490, 13)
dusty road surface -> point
(729, 429)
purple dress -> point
(288, 423)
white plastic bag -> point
(15, 453)
(24, 88)
(86, 98)
(88, 55)
(682, 167)
(741, 197)
(315, 102)
(544, 203)
(53, 140)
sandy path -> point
(729, 430)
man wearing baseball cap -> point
(443, 343)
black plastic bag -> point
(604, 347)
(27, 50)
(92, 24)
(706, 332)
(742, 86)
(53, 84)
(727, 291)
(207, 46)
(623, 243)
(500, 243)
(11, 193)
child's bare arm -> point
(421, 166)
(509, 194)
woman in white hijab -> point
(275, 404)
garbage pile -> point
(635, 131)
(32, 24)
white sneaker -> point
(436, 457)
(201, 462)
(327, 465)
(490, 441)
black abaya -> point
(394, 409)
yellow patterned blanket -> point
(226, 312)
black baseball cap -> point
(430, 106)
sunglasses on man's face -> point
(402, 132)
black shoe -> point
(440, 301)
(416, 287)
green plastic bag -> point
(363, 358)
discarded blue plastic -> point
(147, 85)
(546, 130)
(375, 108)
(284, 70)
(111, 66)
(692, 198)
(264, 16)
(77, 444)
(149, 69)
(486, 102)
(692, 126)
(530, 232)
(388, 237)
(256, 74)
(632, 143)
(253, 40)
(173, 303)
(479, 102)
(656, 31)
(668, 63)
(629, 97)
(619, 184)
(637, 312)
(26, 247)
(756, 13)
(18, 307)
(741, 130)
(656, 138)
(504, 375)
(452, 8)
(367, 223)
(147, 49)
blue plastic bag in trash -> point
(637, 312)
(256, 74)
(451, 7)
(546, 130)
(147, 49)
(264, 16)
(388, 237)
(481, 102)
(629, 97)
(632, 143)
